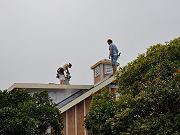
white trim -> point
(84, 114)
(67, 122)
(75, 119)
(87, 94)
(37, 86)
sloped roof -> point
(89, 89)
(104, 61)
(88, 93)
(51, 86)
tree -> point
(25, 114)
(150, 96)
(102, 108)
(150, 101)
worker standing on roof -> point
(64, 79)
(113, 55)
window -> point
(108, 69)
(97, 71)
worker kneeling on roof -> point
(64, 78)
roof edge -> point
(103, 61)
(47, 86)
(87, 94)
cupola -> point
(101, 70)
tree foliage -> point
(150, 102)
(150, 93)
(103, 108)
(25, 114)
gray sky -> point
(38, 36)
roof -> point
(37, 86)
(104, 61)
(87, 94)
(88, 89)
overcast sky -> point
(38, 36)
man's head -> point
(109, 41)
(69, 65)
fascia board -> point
(87, 94)
(48, 86)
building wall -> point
(113, 93)
(103, 72)
(97, 79)
(75, 124)
(71, 121)
(59, 95)
(88, 103)
(80, 118)
(75, 116)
